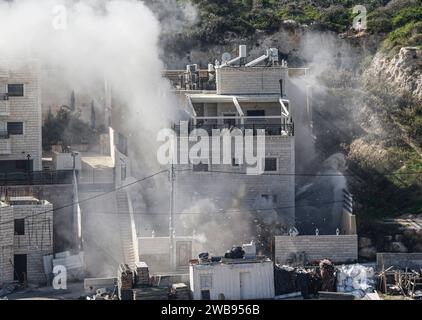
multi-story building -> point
(248, 96)
(26, 236)
(20, 119)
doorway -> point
(245, 285)
(20, 267)
(183, 253)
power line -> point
(213, 171)
(91, 198)
(225, 211)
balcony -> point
(4, 104)
(5, 143)
(270, 129)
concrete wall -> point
(239, 190)
(6, 243)
(35, 243)
(26, 109)
(61, 197)
(399, 260)
(38, 239)
(64, 161)
(337, 248)
(255, 80)
(155, 251)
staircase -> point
(125, 227)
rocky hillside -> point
(367, 84)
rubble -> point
(356, 279)
(180, 291)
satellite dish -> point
(226, 57)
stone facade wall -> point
(250, 80)
(6, 243)
(237, 189)
(337, 248)
(26, 109)
(36, 241)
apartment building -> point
(20, 119)
(26, 236)
(249, 95)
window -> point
(15, 90)
(267, 198)
(15, 128)
(255, 113)
(270, 164)
(200, 167)
(205, 281)
(20, 227)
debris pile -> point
(180, 291)
(328, 275)
(405, 282)
(356, 279)
(142, 274)
(150, 293)
(125, 281)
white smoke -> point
(92, 41)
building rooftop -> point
(226, 261)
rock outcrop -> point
(403, 70)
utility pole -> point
(171, 219)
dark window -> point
(20, 227)
(235, 162)
(267, 197)
(19, 267)
(200, 167)
(205, 295)
(15, 127)
(270, 164)
(15, 90)
(255, 113)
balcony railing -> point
(270, 129)
(36, 178)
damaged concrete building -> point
(26, 236)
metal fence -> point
(36, 178)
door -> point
(183, 253)
(20, 267)
(245, 285)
